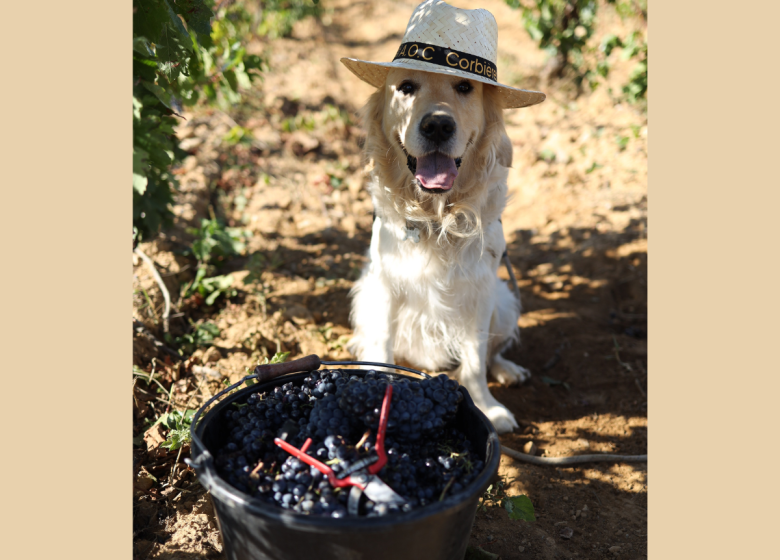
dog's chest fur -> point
(435, 285)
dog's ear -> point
(494, 125)
(504, 151)
(371, 116)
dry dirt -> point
(577, 235)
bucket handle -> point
(267, 372)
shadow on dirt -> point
(325, 259)
(584, 325)
(583, 336)
(583, 331)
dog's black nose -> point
(437, 127)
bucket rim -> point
(203, 463)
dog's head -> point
(436, 144)
(443, 133)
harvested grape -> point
(427, 457)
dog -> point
(438, 153)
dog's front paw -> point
(503, 420)
(508, 373)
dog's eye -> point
(464, 87)
(407, 88)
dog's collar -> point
(412, 232)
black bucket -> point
(254, 530)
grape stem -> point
(363, 439)
(257, 468)
(447, 487)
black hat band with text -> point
(443, 56)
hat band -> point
(443, 56)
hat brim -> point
(375, 73)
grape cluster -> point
(418, 408)
(422, 471)
(327, 419)
(427, 457)
(304, 489)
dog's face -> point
(435, 146)
(432, 121)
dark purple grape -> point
(335, 409)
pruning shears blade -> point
(379, 492)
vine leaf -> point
(519, 507)
(139, 170)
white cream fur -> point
(438, 304)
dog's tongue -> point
(436, 171)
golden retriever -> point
(438, 154)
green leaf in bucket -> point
(519, 507)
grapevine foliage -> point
(561, 27)
(280, 15)
(633, 47)
(178, 54)
(564, 28)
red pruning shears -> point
(361, 475)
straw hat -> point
(447, 40)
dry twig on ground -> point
(157, 278)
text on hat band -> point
(444, 56)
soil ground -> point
(577, 235)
